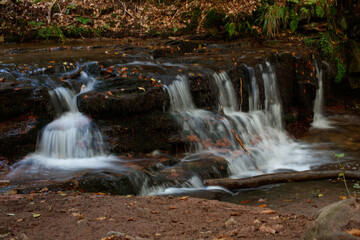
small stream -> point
(73, 143)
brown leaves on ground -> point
(117, 16)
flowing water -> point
(261, 131)
(69, 143)
(320, 121)
(252, 142)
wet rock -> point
(336, 221)
(141, 133)
(93, 69)
(24, 111)
(17, 101)
(240, 76)
(204, 92)
(118, 102)
(175, 49)
(284, 68)
(354, 65)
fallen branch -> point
(283, 177)
(234, 133)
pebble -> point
(83, 222)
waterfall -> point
(319, 120)
(261, 130)
(70, 142)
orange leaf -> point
(234, 214)
(263, 206)
(343, 197)
(184, 198)
(244, 202)
(100, 193)
(172, 207)
(109, 93)
(354, 232)
(269, 211)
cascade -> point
(261, 130)
(320, 121)
(70, 142)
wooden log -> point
(282, 177)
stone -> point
(23, 236)
(333, 221)
(83, 222)
(231, 222)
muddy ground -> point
(285, 212)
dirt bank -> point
(74, 215)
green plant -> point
(341, 70)
(52, 32)
(230, 28)
(83, 20)
(36, 24)
(273, 18)
(356, 186)
(70, 7)
(342, 173)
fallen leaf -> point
(101, 218)
(130, 219)
(184, 198)
(20, 220)
(100, 193)
(269, 211)
(286, 200)
(45, 189)
(141, 88)
(343, 197)
(78, 215)
(354, 232)
(36, 215)
(263, 206)
(172, 207)
(244, 202)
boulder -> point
(340, 220)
